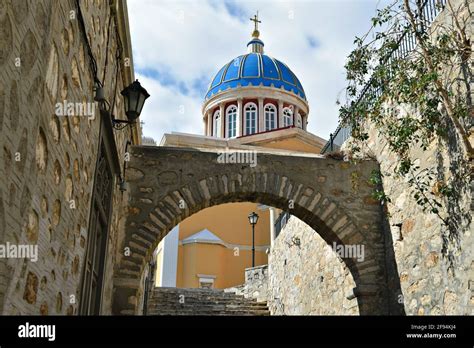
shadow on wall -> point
(394, 290)
(459, 216)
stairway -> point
(179, 301)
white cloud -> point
(168, 111)
(189, 41)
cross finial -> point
(255, 20)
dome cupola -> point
(254, 93)
(255, 45)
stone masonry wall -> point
(306, 277)
(434, 265)
(46, 160)
(256, 284)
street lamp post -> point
(253, 218)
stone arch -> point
(167, 185)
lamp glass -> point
(253, 218)
(140, 103)
(135, 96)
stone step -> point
(196, 293)
(202, 297)
(210, 314)
(187, 292)
(206, 305)
(198, 300)
(204, 311)
(210, 308)
(168, 301)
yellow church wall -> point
(215, 260)
(235, 266)
(230, 223)
(188, 267)
(180, 268)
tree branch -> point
(439, 86)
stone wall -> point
(48, 161)
(434, 263)
(256, 284)
(306, 277)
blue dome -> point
(256, 69)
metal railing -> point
(281, 222)
(336, 139)
(406, 43)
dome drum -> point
(253, 115)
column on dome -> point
(208, 123)
(240, 125)
(223, 119)
(211, 123)
(261, 120)
(295, 117)
(280, 113)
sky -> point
(179, 45)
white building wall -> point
(168, 252)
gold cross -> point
(256, 21)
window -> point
(92, 277)
(216, 125)
(206, 281)
(299, 121)
(270, 117)
(250, 118)
(231, 121)
(205, 284)
(287, 117)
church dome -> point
(254, 93)
(255, 69)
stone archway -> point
(167, 185)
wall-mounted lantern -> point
(134, 98)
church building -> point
(254, 103)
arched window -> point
(250, 118)
(299, 121)
(231, 124)
(216, 125)
(270, 117)
(287, 117)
